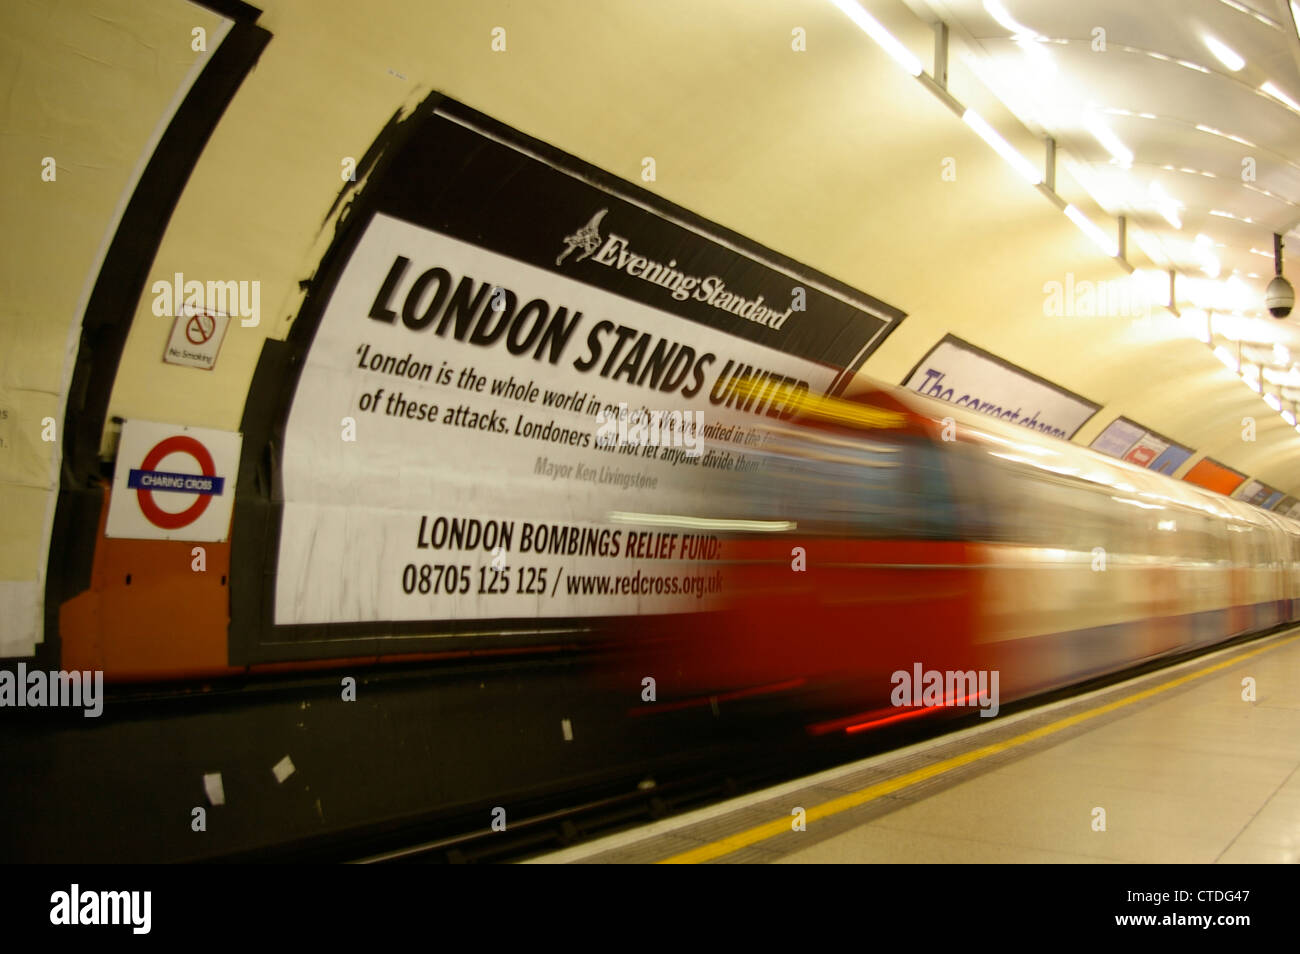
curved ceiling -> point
(1182, 117)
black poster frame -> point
(392, 181)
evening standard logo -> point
(614, 251)
(75, 907)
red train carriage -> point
(894, 556)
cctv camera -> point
(1279, 297)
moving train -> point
(912, 558)
(888, 552)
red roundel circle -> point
(181, 444)
(200, 328)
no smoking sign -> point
(199, 329)
(196, 338)
(173, 483)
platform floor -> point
(1185, 769)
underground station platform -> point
(1179, 765)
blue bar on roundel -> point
(177, 483)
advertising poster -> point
(1118, 437)
(1136, 444)
(1248, 491)
(1146, 450)
(1174, 456)
(525, 389)
(962, 374)
(1212, 475)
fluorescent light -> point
(1224, 54)
(1239, 296)
(1254, 385)
(1203, 249)
(1242, 8)
(1289, 418)
(1227, 357)
(1165, 204)
(1102, 133)
(1028, 171)
(1235, 327)
(1150, 246)
(1152, 285)
(1202, 321)
(998, 12)
(1093, 231)
(1036, 54)
(1280, 96)
(1272, 401)
(1281, 355)
(1223, 135)
(1295, 16)
(890, 43)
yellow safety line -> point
(753, 836)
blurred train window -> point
(1062, 515)
(1223, 552)
(935, 512)
(1256, 555)
(1236, 544)
(862, 486)
(1198, 541)
(988, 511)
(1281, 547)
(1262, 551)
(1004, 501)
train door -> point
(1165, 630)
(1278, 548)
(1239, 575)
(1293, 575)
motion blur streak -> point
(916, 533)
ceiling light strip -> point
(899, 53)
(1027, 170)
(1242, 8)
(1280, 96)
(1208, 130)
(1090, 228)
